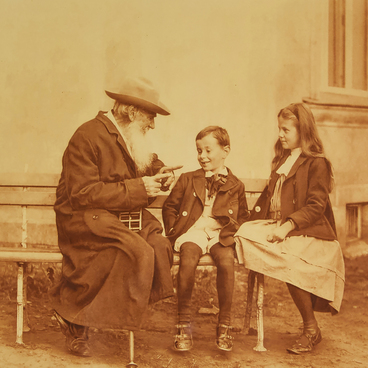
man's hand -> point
(165, 184)
(279, 234)
(153, 183)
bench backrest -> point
(26, 201)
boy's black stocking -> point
(190, 253)
(224, 260)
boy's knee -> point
(225, 264)
(189, 248)
(222, 255)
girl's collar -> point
(296, 152)
(289, 162)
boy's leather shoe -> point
(183, 340)
(224, 340)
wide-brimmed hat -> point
(139, 92)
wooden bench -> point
(28, 192)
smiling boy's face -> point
(211, 155)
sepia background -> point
(231, 63)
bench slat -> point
(30, 255)
(25, 198)
(254, 185)
(206, 260)
(51, 180)
(159, 201)
(42, 255)
(28, 180)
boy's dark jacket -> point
(185, 205)
(304, 199)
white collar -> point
(296, 151)
(290, 161)
(111, 116)
(224, 171)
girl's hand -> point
(280, 233)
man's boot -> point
(76, 336)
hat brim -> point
(159, 108)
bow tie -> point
(214, 183)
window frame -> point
(355, 218)
(325, 93)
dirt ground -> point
(344, 344)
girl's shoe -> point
(224, 340)
(306, 342)
(183, 339)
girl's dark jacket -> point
(185, 205)
(304, 198)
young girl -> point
(201, 215)
(293, 235)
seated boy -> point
(202, 213)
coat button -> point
(257, 209)
(293, 201)
(195, 195)
(95, 217)
(185, 213)
(231, 211)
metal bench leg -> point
(248, 311)
(25, 299)
(260, 289)
(20, 303)
(131, 350)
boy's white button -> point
(184, 213)
(195, 195)
(231, 211)
(257, 209)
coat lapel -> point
(230, 182)
(199, 185)
(295, 167)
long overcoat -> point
(185, 205)
(304, 198)
(109, 273)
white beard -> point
(140, 146)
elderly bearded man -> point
(109, 272)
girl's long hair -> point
(311, 143)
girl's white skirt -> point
(311, 264)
